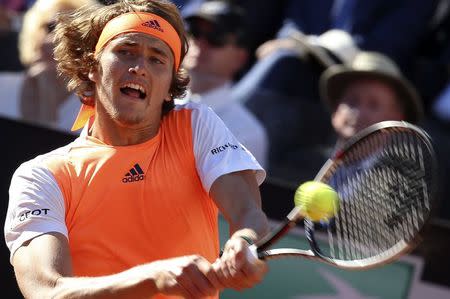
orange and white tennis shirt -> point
(120, 206)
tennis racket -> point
(385, 177)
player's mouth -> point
(134, 90)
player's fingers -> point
(184, 289)
(210, 273)
(243, 274)
(245, 268)
(201, 285)
(230, 272)
(223, 274)
(170, 283)
(254, 271)
(187, 288)
(235, 266)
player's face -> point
(132, 79)
(364, 103)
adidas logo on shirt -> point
(153, 24)
(135, 174)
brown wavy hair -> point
(76, 35)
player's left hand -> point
(237, 268)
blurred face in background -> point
(36, 35)
(364, 103)
(213, 52)
(45, 32)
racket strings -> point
(382, 183)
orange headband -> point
(143, 22)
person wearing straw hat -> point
(368, 90)
(130, 208)
(372, 89)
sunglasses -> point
(212, 34)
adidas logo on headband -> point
(153, 24)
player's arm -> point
(238, 198)
(43, 270)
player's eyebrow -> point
(154, 45)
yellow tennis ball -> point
(317, 201)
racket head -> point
(386, 179)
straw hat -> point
(370, 65)
(332, 47)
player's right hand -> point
(187, 276)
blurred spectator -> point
(44, 98)
(287, 91)
(10, 83)
(10, 22)
(432, 66)
(434, 79)
(10, 65)
(438, 125)
(370, 90)
(217, 53)
(262, 17)
(441, 107)
(16, 5)
(284, 81)
(394, 28)
(363, 92)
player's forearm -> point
(252, 224)
(238, 198)
(138, 282)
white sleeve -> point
(36, 206)
(217, 151)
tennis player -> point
(130, 208)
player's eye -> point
(156, 60)
(124, 52)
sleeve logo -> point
(223, 148)
(37, 212)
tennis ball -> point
(317, 201)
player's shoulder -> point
(198, 111)
(59, 155)
(193, 106)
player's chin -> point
(129, 119)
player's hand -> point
(187, 276)
(237, 268)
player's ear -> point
(168, 97)
(93, 75)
